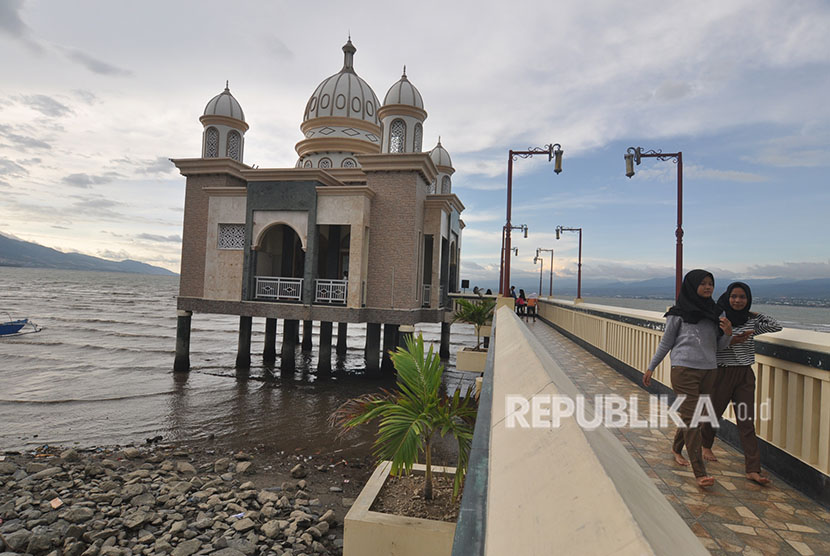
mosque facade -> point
(364, 228)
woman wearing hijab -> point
(694, 332)
(735, 380)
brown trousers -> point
(737, 385)
(692, 383)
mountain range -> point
(16, 252)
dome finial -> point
(439, 140)
(404, 71)
(348, 55)
(226, 86)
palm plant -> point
(476, 313)
(410, 417)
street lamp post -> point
(540, 250)
(635, 154)
(505, 251)
(554, 152)
(559, 230)
(541, 269)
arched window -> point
(307, 164)
(446, 186)
(234, 146)
(431, 188)
(211, 142)
(419, 138)
(349, 163)
(324, 163)
(397, 136)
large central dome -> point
(340, 120)
(344, 94)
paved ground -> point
(736, 516)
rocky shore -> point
(174, 500)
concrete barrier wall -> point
(793, 382)
(563, 489)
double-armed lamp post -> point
(559, 230)
(539, 252)
(505, 253)
(554, 152)
(635, 154)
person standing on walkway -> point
(695, 330)
(735, 379)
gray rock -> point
(187, 548)
(136, 519)
(243, 546)
(70, 455)
(271, 529)
(19, 540)
(323, 527)
(245, 467)
(7, 468)
(78, 515)
(131, 453)
(329, 517)
(48, 472)
(227, 552)
(178, 527)
(242, 456)
(314, 532)
(243, 525)
(299, 471)
(180, 488)
(301, 485)
(265, 496)
(130, 491)
(145, 499)
(35, 467)
(184, 467)
(221, 465)
(335, 489)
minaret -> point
(402, 118)
(224, 127)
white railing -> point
(275, 287)
(427, 292)
(331, 291)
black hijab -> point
(737, 318)
(690, 306)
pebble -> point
(133, 502)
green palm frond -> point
(477, 313)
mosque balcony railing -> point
(331, 291)
(278, 288)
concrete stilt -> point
(390, 342)
(181, 364)
(444, 349)
(324, 351)
(405, 331)
(289, 345)
(243, 349)
(308, 326)
(342, 334)
(372, 351)
(269, 351)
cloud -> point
(160, 165)
(46, 105)
(796, 271)
(11, 168)
(96, 203)
(85, 180)
(13, 25)
(93, 64)
(278, 48)
(22, 142)
(113, 255)
(86, 96)
(154, 237)
(722, 175)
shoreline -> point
(181, 499)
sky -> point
(98, 95)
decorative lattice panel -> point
(231, 236)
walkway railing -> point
(792, 395)
(331, 291)
(274, 287)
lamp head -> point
(558, 230)
(557, 160)
(525, 230)
(629, 165)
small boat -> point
(17, 327)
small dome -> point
(404, 92)
(440, 156)
(224, 104)
(344, 94)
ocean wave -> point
(90, 400)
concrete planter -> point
(470, 361)
(370, 533)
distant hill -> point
(14, 252)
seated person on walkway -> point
(532, 303)
(521, 303)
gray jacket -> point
(691, 345)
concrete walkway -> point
(736, 516)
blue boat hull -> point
(12, 327)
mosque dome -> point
(404, 92)
(224, 104)
(344, 94)
(440, 156)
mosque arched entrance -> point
(280, 264)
